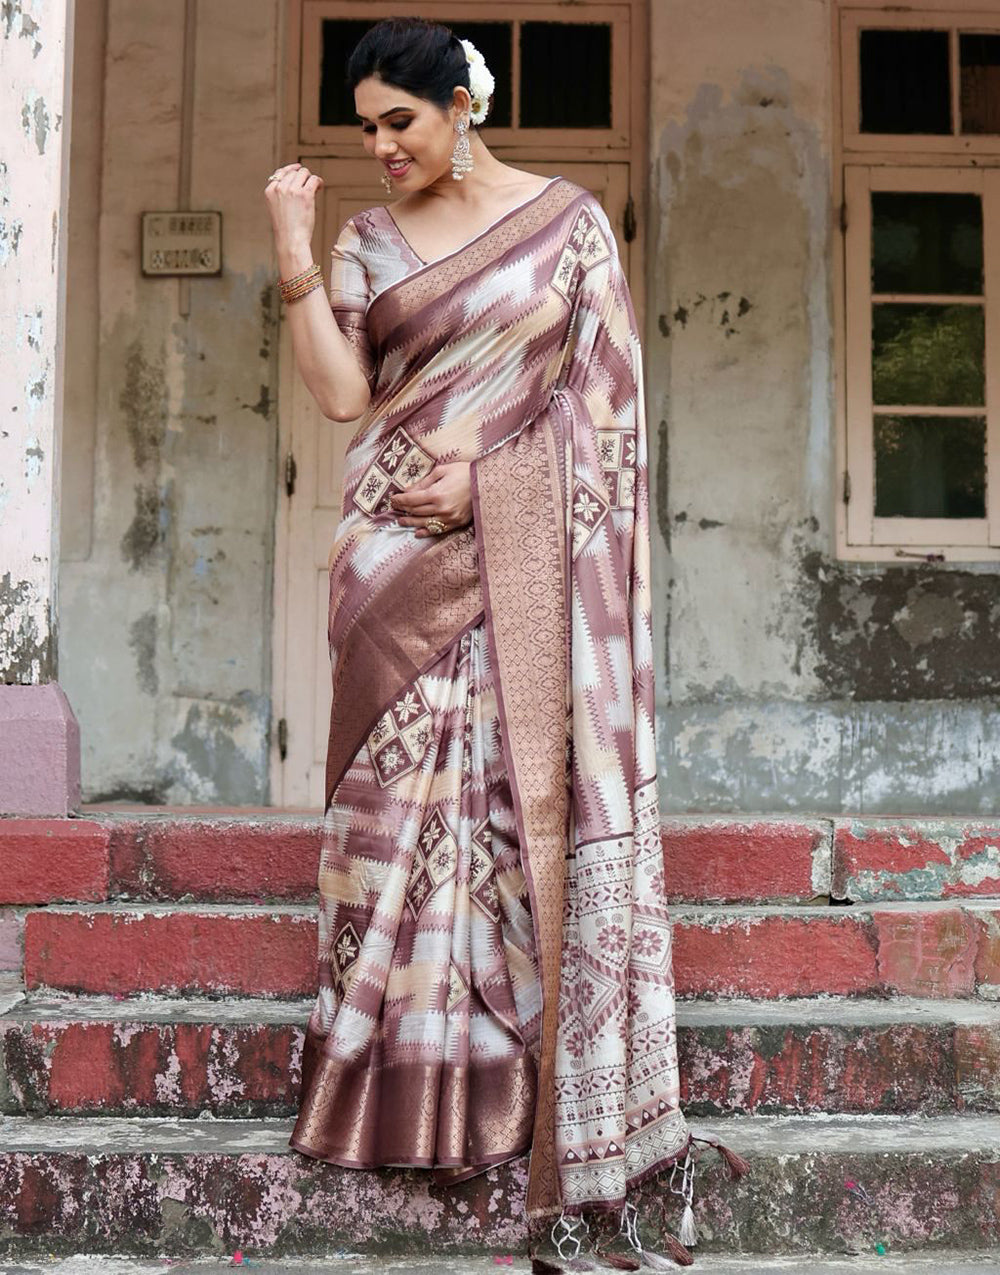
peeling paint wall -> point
(789, 680)
(34, 47)
(166, 588)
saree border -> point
(405, 628)
(520, 530)
(418, 288)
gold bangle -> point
(297, 278)
(303, 292)
(301, 284)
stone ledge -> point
(149, 1056)
(205, 1186)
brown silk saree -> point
(495, 948)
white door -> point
(309, 507)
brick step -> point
(150, 1186)
(242, 1058)
(274, 855)
(937, 1262)
(762, 951)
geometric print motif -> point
(398, 740)
(590, 508)
(585, 247)
(434, 861)
(346, 950)
(401, 462)
(482, 874)
(616, 449)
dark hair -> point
(425, 59)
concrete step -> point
(936, 1263)
(762, 952)
(245, 856)
(204, 1187)
(152, 1056)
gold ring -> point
(273, 178)
(436, 526)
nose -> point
(384, 144)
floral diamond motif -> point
(344, 956)
(399, 740)
(616, 451)
(584, 247)
(458, 988)
(435, 859)
(590, 509)
(401, 462)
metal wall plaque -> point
(181, 243)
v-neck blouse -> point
(371, 254)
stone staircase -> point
(839, 1027)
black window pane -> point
(565, 75)
(495, 42)
(929, 467)
(924, 242)
(904, 82)
(980, 83)
(928, 355)
(336, 101)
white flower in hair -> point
(481, 82)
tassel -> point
(738, 1167)
(539, 1266)
(620, 1263)
(688, 1232)
(676, 1250)
(654, 1262)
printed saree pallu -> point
(495, 948)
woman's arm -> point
(323, 355)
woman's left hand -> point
(444, 493)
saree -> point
(495, 948)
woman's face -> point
(412, 138)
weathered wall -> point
(790, 681)
(166, 588)
(35, 45)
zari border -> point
(414, 291)
(519, 515)
(408, 623)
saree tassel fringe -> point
(738, 1167)
(688, 1232)
(679, 1256)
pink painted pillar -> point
(39, 739)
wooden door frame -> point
(290, 147)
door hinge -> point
(290, 472)
(283, 738)
(843, 217)
(628, 220)
(847, 488)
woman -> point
(495, 967)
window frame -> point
(865, 162)
(616, 13)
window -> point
(921, 202)
(560, 71)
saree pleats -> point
(495, 948)
(419, 1050)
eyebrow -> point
(392, 111)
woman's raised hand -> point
(291, 201)
(445, 493)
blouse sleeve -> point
(350, 293)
